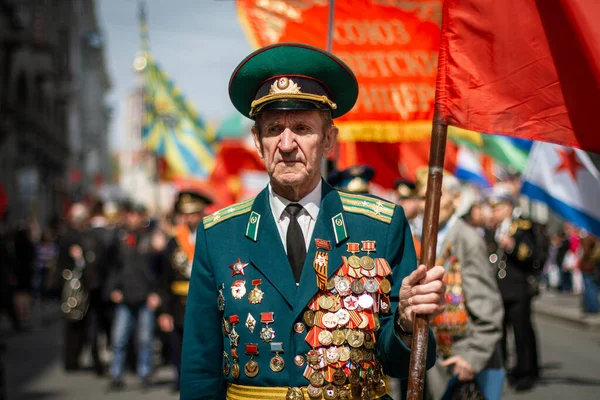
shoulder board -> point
(378, 209)
(227, 212)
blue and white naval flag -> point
(468, 168)
(567, 181)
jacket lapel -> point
(331, 206)
(267, 253)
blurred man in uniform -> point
(302, 290)
(411, 203)
(176, 272)
(511, 245)
(352, 180)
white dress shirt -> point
(307, 218)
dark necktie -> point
(296, 248)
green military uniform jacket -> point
(248, 232)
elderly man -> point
(303, 291)
(468, 332)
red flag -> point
(523, 68)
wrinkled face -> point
(411, 207)
(448, 203)
(292, 145)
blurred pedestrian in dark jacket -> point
(24, 250)
(133, 288)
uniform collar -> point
(311, 202)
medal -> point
(330, 320)
(367, 262)
(313, 358)
(385, 286)
(238, 289)
(338, 337)
(356, 356)
(226, 368)
(221, 298)
(351, 303)
(343, 317)
(353, 260)
(343, 287)
(380, 388)
(326, 302)
(309, 318)
(331, 282)
(237, 268)
(365, 301)
(314, 392)
(251, 368)
(267, 334)
(316, 379)
(235, 368)
(330, 392)
(339, 376)
(299, 360)
(277, 363)
(225, 327)
(354, 377)
(299, 327)
(325, 338)
(234, 337)
(367, 356)
(256, 295)
(332, 355)
(250, 323)
(369, 344)
(355, 338)
(357, 286)
(371, 285)
(344, 354)
(337, 304)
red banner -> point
(392, 47)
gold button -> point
(299, 327)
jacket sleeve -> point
(202, 354)
(484, 304)
(400, 253)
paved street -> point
(570, 358)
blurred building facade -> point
(53, 115)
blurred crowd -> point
(111, 266)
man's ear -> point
(257, 143)
(329, 140)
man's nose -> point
(287, 143)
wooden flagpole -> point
(431, 218)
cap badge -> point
(284, 85)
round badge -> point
(337, 304)
(351, 303)
(299, 327)
(357, 286)
(502, 274)
(314, 392)
(365, 301)
(251, 369)
(338, 337)
(385, 286)
(344, 354)
(371, 285)
(331, 282)
(309, 318)
(299, 360)
(316, 379)
(356, 355)
(332, 354)
(325, 338)
(493, 258)
(330, 320)
(367, 263)
(330, 392)
(343, 316)
(342, 286)
(277, 364)
(325, 302)
(367, 356)
(339, 376)
(354, 261)
(355, 338)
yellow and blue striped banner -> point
(173, 129)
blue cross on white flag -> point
(567, 181)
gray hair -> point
(450, 184)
